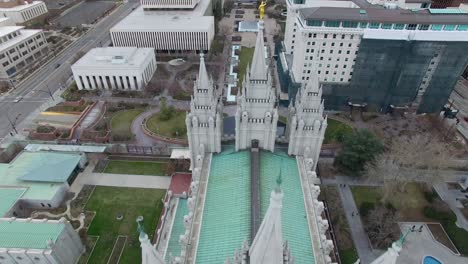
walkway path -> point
(451, 197)
(127, 180)
(361, 241)
(140, 136)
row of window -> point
(332, 44)
(377, 25)
(33, 12)
(333, 79)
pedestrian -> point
(412, 228)
(352, 214)
(420, 228)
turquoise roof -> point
(447, 11)
(178, 229)
(44, 166)
(42, 171)
(8, 197)
(294, 216)
(226, 213)
(28, 235)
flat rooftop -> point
(41, 173)
(24, 234)
(165, 21)
(25, 34)
(114, 57)
(382, 15)
(20, 7)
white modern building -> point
(205, 120)
(5, 21)
(257, 114)
(19, 48)
(167, 26)
(115, 68)
(24, 11)
(306, 123)
(363, 53)
(38, 241)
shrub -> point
(365, 208)
(45, 129)
(430, 195)
(121, 137)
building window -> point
(344, 66)
(334, 36)
(325, 36)
(351, 37)
(449, 27)
(341, 44)
(423, 27)
(332, 23)
(411, 26)
(333, 44)
(331, 51)
(346, 59)
(319, 72)
(336, 66)
(328, 65)
(374, 25)
(343, 36)
(320, 65)
(42, 205)
(398, 26)
(49, 205)
(292, 42)
(313, 43)
(326, 72)
(462, 27)
(347, 52)
(2, 56)
(12, 51)
(341, 79)
(314, 23)
(349, 45)
(363, 25)
(315, 35)
(349, 24)
(321, 58)
(324, 44)
(386, 26)
(323, 51)
(5, 63)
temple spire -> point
(149, 254)
(259, 70)
(203, 81)
(267, 246)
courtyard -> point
(119, 238)
(87, 12)
(136, 167)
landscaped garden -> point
(168, 122)
(245, 58)
(336, 130)
(110, 202)
(121, 123)
(136, 167)
(416, 204)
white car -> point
(17, 99)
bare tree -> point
(417, 158)
(382, 225)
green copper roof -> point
(178, 229)
(226, 215)
(8, 197)
(447, 11)
(28, 235)
(294, 217)
(41, 173)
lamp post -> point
(13, 122)
(49, 92)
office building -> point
(22, 11)
(380, 57)
(19, 48)
(167, 26)
(115, 68)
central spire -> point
(203, 80)
(259, 70)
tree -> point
(380, 226)
(359, 148)
(418, 158)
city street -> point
(35, 90)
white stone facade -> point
(257, 115)
(19, 48)
(67, 248)
(165, 31)
(5, 22)
(115, 68)
(169, 4)
(205, 120)
(306, 124)
(23, 13)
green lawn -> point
(136, 167)
(335, 131)
(121, 123)
(245, 58)
(174, 127)
(348, 256)
(107, 202)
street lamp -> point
(13, 122)
(49, 92)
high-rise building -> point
(381, 57)
(257, 113)
(205, 120)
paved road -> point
(34, 88)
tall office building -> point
(368, 54)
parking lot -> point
(84, 13)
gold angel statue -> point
(261, 10)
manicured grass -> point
(122, 121)
(168, 128)
(348, 256)
(136, 167)
(245, 58)
(335, 131)
(107, 202)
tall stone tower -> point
(257, 115)
(306, 123)
(204, 122)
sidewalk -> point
(361, 241)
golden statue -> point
(261, 10)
